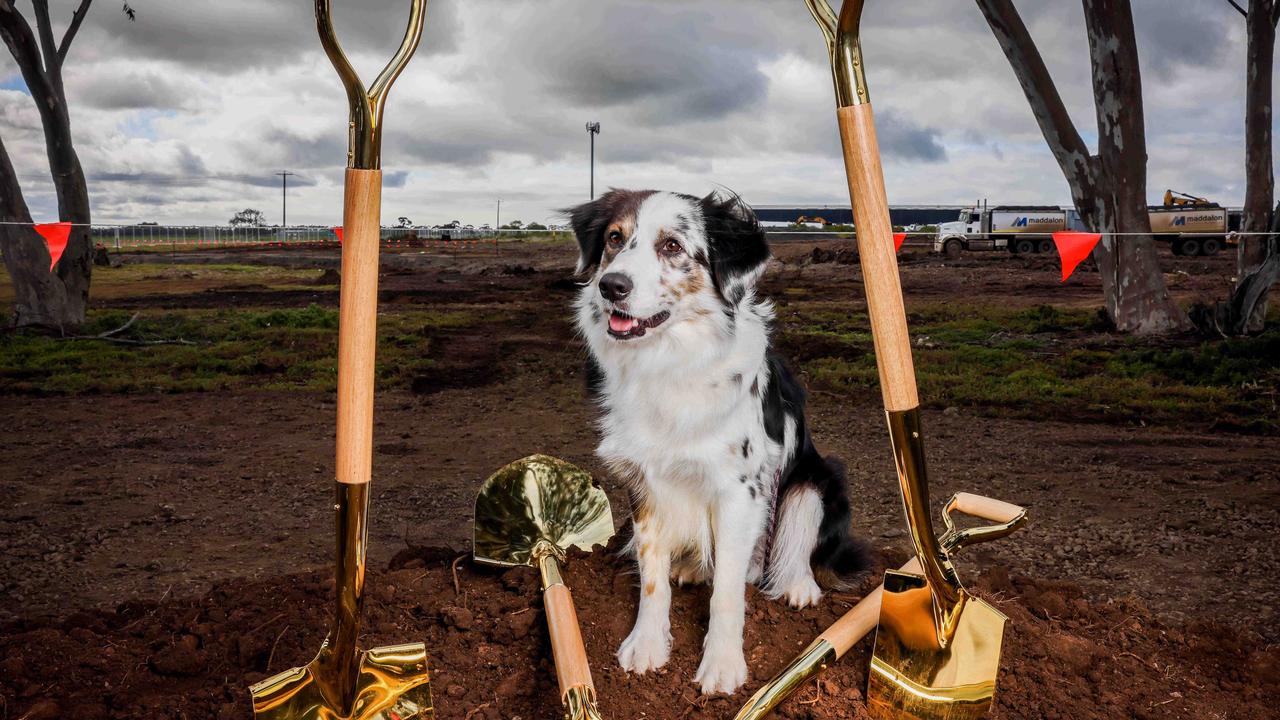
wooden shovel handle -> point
(358, 324)
(877, 256)
(567, 647)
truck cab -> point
(953, 237)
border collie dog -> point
(702, 420)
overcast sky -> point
(184, 115)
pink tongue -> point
(620, 324)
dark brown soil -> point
(160, 552)
(1064, 656)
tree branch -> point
(1051, 114)
(76, 18)
(22, 44)
(1236, 5)
(48, 48)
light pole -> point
(284, 198)
(497, 220)
(593, 129)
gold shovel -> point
(937, 650)
(530, 513)
(342, 682)
(854, 625)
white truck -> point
(1019, 229)
(1199, 229)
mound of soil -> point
(1064, 657)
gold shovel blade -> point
(394, 684)
(538, 499)
(912, 676)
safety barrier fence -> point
(196, 237)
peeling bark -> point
(1259, 192)
(1108, 188)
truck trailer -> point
(1190, 229)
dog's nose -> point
(615, 286)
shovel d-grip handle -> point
(573, 671)
(860, 619)
(365, 128)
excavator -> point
(1173, 198)
(1191, 224)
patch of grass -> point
(292, 348)
(142, 279)
(1049, 362)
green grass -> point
(1040, 362)
(1045, 362)
(278, 349)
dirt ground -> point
(160, 552)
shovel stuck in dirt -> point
(854, 625)
(342, 682)
(530, 513)
(937, 650)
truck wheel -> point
(1210, 246)
(1191, 247)
(1044, 246)
(953, 248)
(1022, 246)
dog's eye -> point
(672, 247)
(615, 237)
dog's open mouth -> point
(624, 327)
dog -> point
(702, 420)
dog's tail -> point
(837, 556)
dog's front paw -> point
(646, 648)
(723, 668)
(803, 593)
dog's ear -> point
(589, 221)
(738, 251)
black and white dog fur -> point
(703, 420)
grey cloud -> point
(244, 34)
(903, 139)
(1173, 36)
(135, 90)
(283, 147)
(686, 65)
(180, 180)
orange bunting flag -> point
(55, 236)
(897, 241)
(338, 231)
(1073, 248)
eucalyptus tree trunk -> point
(1259, 190)
(1109, 187)
(59, 298)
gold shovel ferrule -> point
(549, 558)
(844, 46)
(580, 703)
